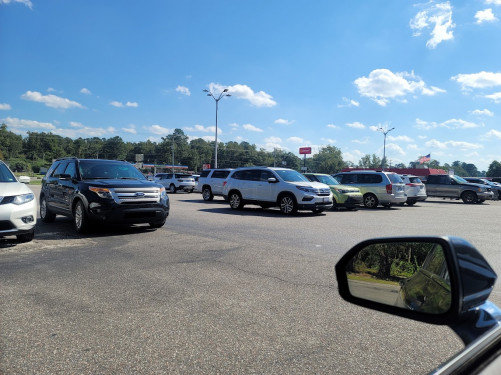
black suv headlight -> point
(101, 192)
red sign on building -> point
(304, 150)
(206, 166)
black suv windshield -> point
(98, 169)
(290, 175)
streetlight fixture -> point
(221, 95)
(384, 131)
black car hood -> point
(123, 183)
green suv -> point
(343, 196)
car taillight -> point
(224, 183)
(389, 188)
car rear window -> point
(415, 180)
(394, 178)
(205, 173)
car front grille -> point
(136, 196)
(324, 192)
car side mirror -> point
(65, 176)
(272, 180)
(438, 280)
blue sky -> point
(301, 73)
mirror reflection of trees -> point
(390, 261)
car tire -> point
(334, 205)
(80, 218)
(157, 225)
(288, 205)
(235, 200)
(469, 197)
(370, 201)
(411, 203)
(207, 194)
(172, 188)
(26, 237)
(45, 214)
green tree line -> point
(38, 149)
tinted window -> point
(60, 169)
(265, 175)
(220, 174)
(415, 180)
(93, 169)
(370, 179)
(71, 169)
(205, 173)
(348, 179)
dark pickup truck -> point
(455, 187)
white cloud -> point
(328, 140)
(85, 91)
(332, 126)
(479, 80)
(349, 103)
(282, 121)
(131, 129)
(482, 112)
(273, 140)
(412, 147)
(296, 140)
(209, 138)
(353, 155)
(356, 125)
(374, 128)
(495, 2)
(121, 105)
(52, 101)
(438, 18)
(16, 123)
(462, 146)
(496, 134)
(183, 90)
(5, 107)
(495, 97)
(205, 129)
(449, 124)
(80, 130)
(383, 85)
(251, 128)
(272, 143)
(399, 138)
(361, 141)
(25, 2)
(159, 130)
(116, 104)
(258, 99)
(485, 16)
(395, 148)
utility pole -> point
(385, 132)
(221, 95)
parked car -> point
(176, 181)
(456, 187)
(349, 197)
(415, 190)
(210, 182)
(377, 187)
(496, 188)
(448, 285)
(282, 187)
(18, 207)
(105, 191)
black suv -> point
(107, 191)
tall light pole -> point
(384, 131)
(221, 95)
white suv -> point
(176, 181)
(282, 187)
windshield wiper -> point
(128, 178)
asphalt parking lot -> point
(219, 291)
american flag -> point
(424, 159)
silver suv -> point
(282, 187)
(210, 182)
(377, 187)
